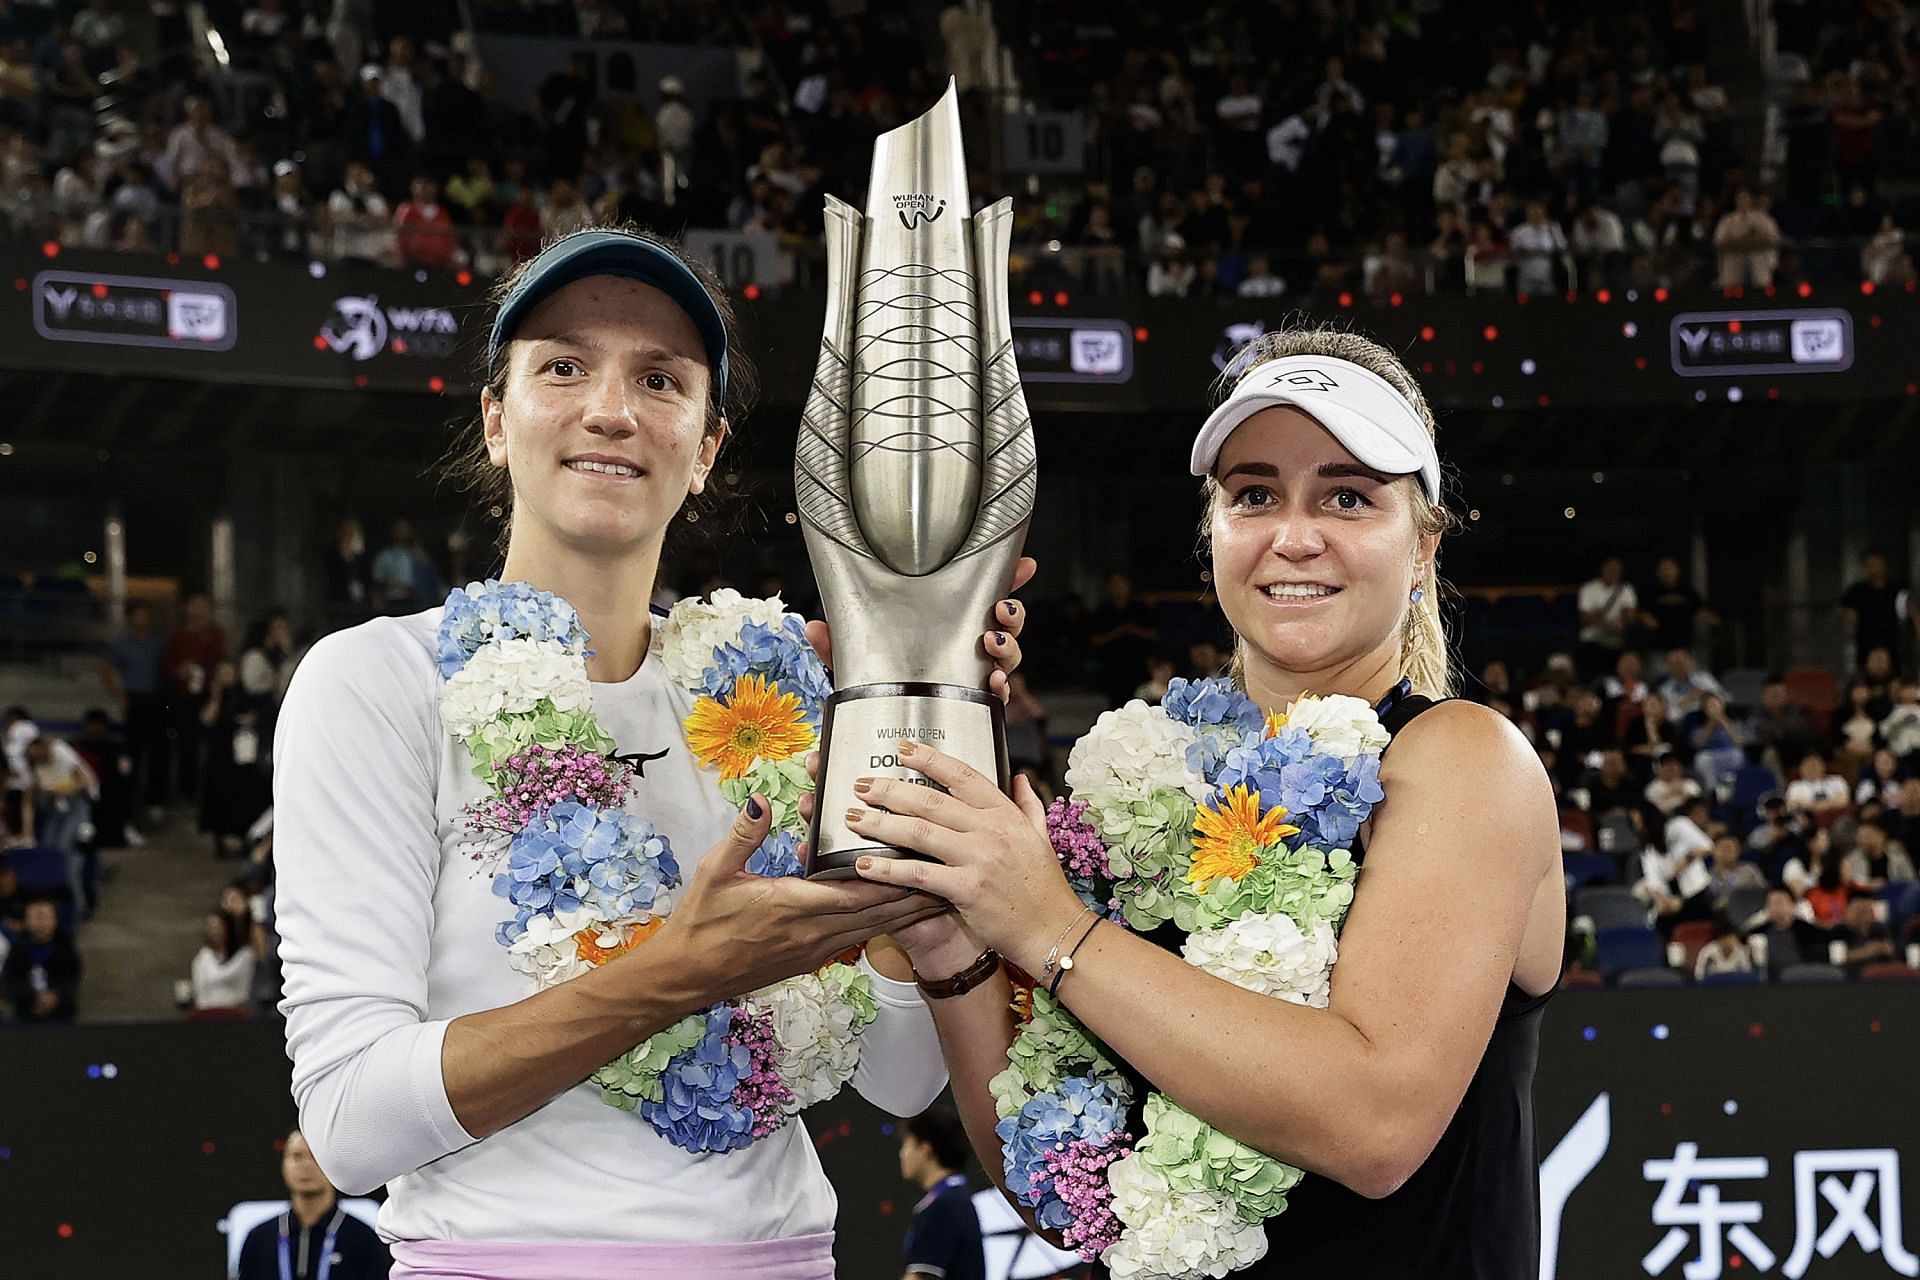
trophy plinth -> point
(914, 472)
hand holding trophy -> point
(914, 473)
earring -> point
(1415, 595)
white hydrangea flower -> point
(1340, 725)
(512, 676)
(1175, 1233)
(685, 640)
(1268, 954)
(549, 953)
(1129, 754)
(813, 1033)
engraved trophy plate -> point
(914, 472)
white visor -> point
(1374, 422)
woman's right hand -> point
(743, 931)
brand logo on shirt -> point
(640, 760)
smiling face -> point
(602, 422)
(1314, 554)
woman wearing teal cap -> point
(529, 742)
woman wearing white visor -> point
(1402, 1084)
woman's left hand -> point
(993, 860)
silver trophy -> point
(914, 472)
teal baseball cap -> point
(615, 253)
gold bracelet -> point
(964, 981)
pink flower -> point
(1079, 1173)
(1074, 840)
(763, 1092)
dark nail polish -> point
(1013, 608)
(753, 810)
(1000, 638)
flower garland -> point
(588, 881)
(1235, 830)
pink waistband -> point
(797, 1258)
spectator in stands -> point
(1864, 939)
(13, 902)
(1787, 936)
(1730, 871)
(1900, 730)
(1581, 740)
(1624, 685)
(1780, 727)
(1856, 730)
(195, 648)
(106, 754)
(1817, 790)
(1671, 789)
(1880, 781)
(1607, 607)
(1747, 240)
(1123, 634)
(403, 580)
(210, 213)
(1172, 274)
(361, 218)
(1830, 891)
(1780, 834)
(266, 660)
(1537, 246)
(40, 981)
(292, 231)
(195, 141)
(1648, 736)
(1260, 282)
(1876, 608)
(1611, 788)
(313, 1222)
(222, 971)
(59, 810)
(423, 229)
(1718, 743)
(1686, 688)
(1903, 820)
(567, 211)
(375, 135)
(1885, 259)
(239, 784)
(1160, 672)
(1672, 611)
(400, 85)
(674, 121)
(1674, 880)
(1726, 953)
(1876, 860)
(134, 675)
(1599, 244)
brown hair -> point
(1424, 656)
(466, 466)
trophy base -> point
(861, 731)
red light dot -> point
(1912, 285)
(1756, 1029)
(1426, 333)
(1426, 366)
(1639, 362)
(846, 1128)
(359, 379)
(1346, 299)
(51, 248)
(1738, 291)
(1603, 297)
(1490, 333)
(319, 342)
(211, 262)
(1521, 298)
(1141, 334)
(1479, 367)
(1061, 299)
(752, 291)
(173, 259)
(1733, 326)
(1769, 291)
(1660, 294)
(1395, 299)
(1735, 1261)
(1773, 393)
(1666, 1108)
(463, 279)
(1913, 388)
(436, 384)
(279, 1144)
(1035, 298)
(1874, 1026)
(20, 284)
(399, 346)
(206, 1148)
(1866, 287)
(1805, 290)
(1545, 400)
(886, 1208)
(1873, 321)
(65, 1231)
(1572, 296)
(99, 291)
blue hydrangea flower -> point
(1323, 796)
(781, 654)
(481, 613)
(696, 1111)
(1082, 1108)
(778, 855)
(575, 854)
(1221, 716)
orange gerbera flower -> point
(1276, 721)
(757, 723)
(594, 954)
(1227, 841)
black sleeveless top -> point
(1471, 1211)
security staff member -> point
(313, 1238)
(944, 1241)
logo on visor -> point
(1308, 380)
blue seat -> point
(1750, 783)
(43, 874)
(1750, 978)
(1610, 906)
(1651, 978)
(1583, 869)
(1621, 949)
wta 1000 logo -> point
(363, 328)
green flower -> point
(855, 990)
(1193, 1154)
(1149, 850)
(1305, 884)
(782, 782)
(1049, 1047)
(544, 726)
(635, 1074)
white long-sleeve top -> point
(387, 934)
(222, 984)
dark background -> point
(141, 1167)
